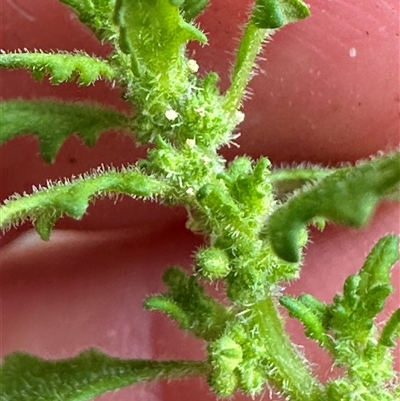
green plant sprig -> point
(254, 225)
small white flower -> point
(239, 116)
(191, 143)
(193, 66)
(171, 115)
(190, 191)
(200, 111)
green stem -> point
(249, 47)
(291, 376)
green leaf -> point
(273, 14)
(72, 198)
(61, 67)
(376, 268)
(352, 314)
(311, 320)
(348, 197)
(96, 14)
(187, 303)
(91, 373)
(374, 284)
(53, 122)
(350, 318)
(168, 306)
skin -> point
(311, 102)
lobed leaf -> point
(348, 197)
(273, 14)
(348, 321)
(83, 377)
(72, 198)
(365, 293)
(61, 67)
(53, 122)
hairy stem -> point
(250, 46)
(289, 373)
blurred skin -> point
(311, 101)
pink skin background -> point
(310, 101)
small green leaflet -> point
(82, 378)
(273, 14)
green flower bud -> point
(212, 263)
(223, 383)
(225, 354)
(240, 167)
(252, 380)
